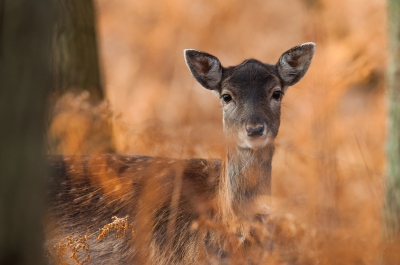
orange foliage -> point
(328, 170)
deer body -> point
(166, 198)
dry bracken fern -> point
(120, 225)
(58, 253)
(72, 245)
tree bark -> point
(79, 122)
(392, 206)
(25, 80)
(75, 49)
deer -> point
(185, 211)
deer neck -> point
(245, 177)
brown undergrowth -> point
(329, 165)
(276, 239)
(71, 249)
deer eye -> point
(277, 95)
(227, 98)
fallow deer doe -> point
(183, 211)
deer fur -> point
(185, 211)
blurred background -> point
(329, 166)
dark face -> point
(251, 95)
(251, 92)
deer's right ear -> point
(205, 67)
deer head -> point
(251, 92)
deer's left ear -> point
(294, 63)
(205, 67)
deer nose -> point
(256, 130)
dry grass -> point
(328, 170)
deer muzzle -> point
(255, 130)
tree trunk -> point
(25, 80)
(392, 206)
(79, 121)
(75, 49)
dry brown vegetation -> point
(329, 166)
(77, 250)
